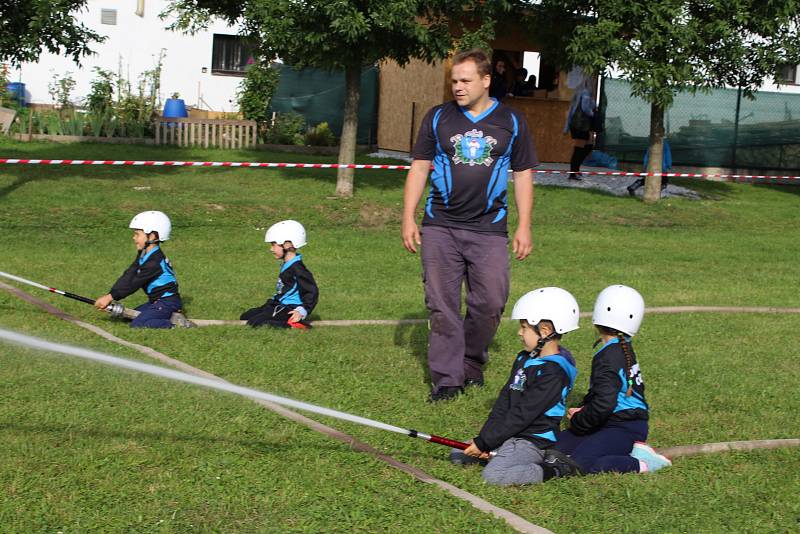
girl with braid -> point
(607, 432)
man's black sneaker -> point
(473, 382)
(445, 393)
(556, 464)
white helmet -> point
(286, 231)
(552, 303)
(619, 307)
(152, 221)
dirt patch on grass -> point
(372, 215)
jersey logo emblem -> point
(519, 381)
(473, 148)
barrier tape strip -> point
(257, 164)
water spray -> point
(115, 309)
(40, 344)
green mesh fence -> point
(318, 95)
(705, 130)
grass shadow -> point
(790, 188)
(413, 337)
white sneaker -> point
(645, 453)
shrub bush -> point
(288, 129)
(320, 135)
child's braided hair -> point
(626, 348)
(628, 361)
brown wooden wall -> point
(545, 118)
(417, 86)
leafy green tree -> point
(346, 35)
(664, 47)
(28, 26)
(256, 90)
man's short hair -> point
(478, 56)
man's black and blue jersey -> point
(296, 287)
(151, 272)
(607, 399)
(532, 401)
(471, 157)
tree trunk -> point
(347, 143)
(652, 184)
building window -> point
(787, 74)
(108, 16)
(230, 55)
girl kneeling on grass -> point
(607, 433)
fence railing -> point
(215, 133)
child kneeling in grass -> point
(296, 293)
(607, 433)
(150, 271)
(522, 425)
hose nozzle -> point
(115, 309)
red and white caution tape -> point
(151, 163)
(257, 164)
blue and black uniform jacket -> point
(296, 287)
(151, 272)
(532, 402)
(607, 399)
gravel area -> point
(615, 185)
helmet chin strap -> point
(542, 340)
(147, 243)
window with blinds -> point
(108, 16)
(230, 55)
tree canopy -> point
(29, 26)
(346, 35)
(663, 47)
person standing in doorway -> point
(498, 89)
(471, 142)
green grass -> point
(88, 448)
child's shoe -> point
(556, 464)
(649, 457)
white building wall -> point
(135, 42)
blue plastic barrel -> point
(175, 108)
(16, 90)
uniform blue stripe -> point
(144, 258)
(498, 185)
(441, 178)
(634, 402)
(549, 435)
(292, 296)
(166, 277)
(291, 262)
(482, 115)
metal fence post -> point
(736, 127)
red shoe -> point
(298, 325)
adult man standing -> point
(472, 143)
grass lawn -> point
(88, 448)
